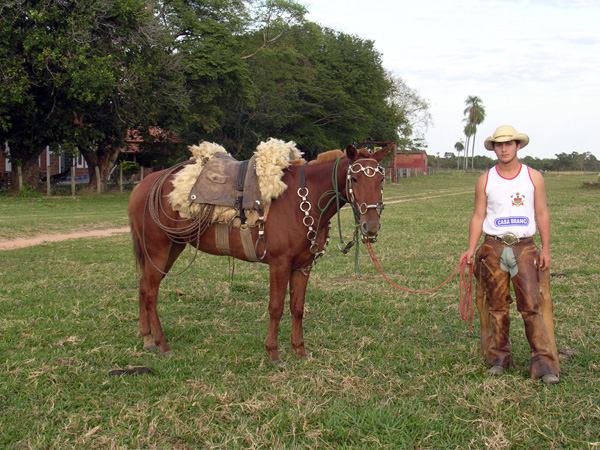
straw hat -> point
(505, 133)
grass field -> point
(389, 369)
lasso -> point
(465, 286)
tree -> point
(88, 71)
(468, 130)
(85, 73)
(475, 113)
(414, 114)
(27, 101)
(320, 88)
(138, 80)
(459, 147)
(274, 18)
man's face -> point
(506, 151)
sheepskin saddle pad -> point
(213, 177)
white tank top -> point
(510, 204)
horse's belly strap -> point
(222, 241)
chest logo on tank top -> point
(511, 222)
(518, 199)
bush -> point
(129, 168)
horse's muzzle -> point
(369, 231)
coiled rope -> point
(465, 286)
(181, 235)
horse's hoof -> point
(150, 348)
(168, 354)
(278, 363)
(306, 357)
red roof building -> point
(409, 164)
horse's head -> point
(364, 189)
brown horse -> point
(292, 240)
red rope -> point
(465, 286)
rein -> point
(465, 286)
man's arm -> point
(476, 222)
(542, 218)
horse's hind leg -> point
(298, 283)
(152, 276)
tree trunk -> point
(104, 158)
(473, 153)
(465, 162)
(30, 172)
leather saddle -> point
(225, 181)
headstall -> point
(358, 209)
(363, 208)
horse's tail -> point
(138, 250)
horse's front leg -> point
(279, 276)
(298, 283)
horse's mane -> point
(327, 156)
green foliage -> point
(129, 168)
(29, 192)
(85, 73)
(318, 87)
(82, 73)
(390, 370)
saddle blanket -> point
(270, 160)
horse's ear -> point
(379, 155)
(351, 152)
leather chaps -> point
(532, 292)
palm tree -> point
(459, 147)
(468, 133)
(475, 113)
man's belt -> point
(509, 239)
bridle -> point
(362, 208)
(359, 209)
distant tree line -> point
(582, 162)
(82, 74)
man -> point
(510, 203)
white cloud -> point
(533, 63)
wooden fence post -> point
(48, 189)
(72, 180)
(98, 183)
(120, 179)
(20, 178)
(48, 172)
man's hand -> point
(467, 256)
(545, 259)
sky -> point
(535, 64)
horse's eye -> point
(354, 180)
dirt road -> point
(11, 244)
